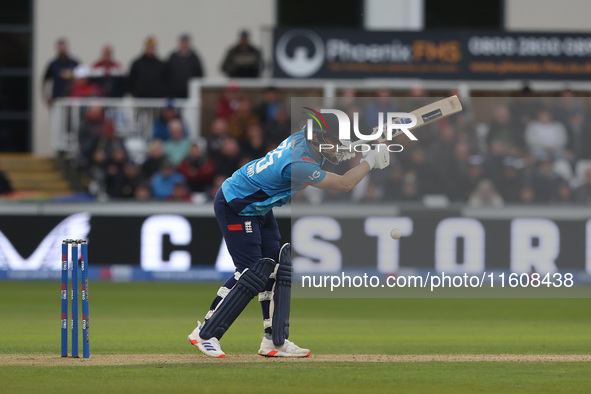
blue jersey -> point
(270, 181)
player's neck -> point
(316, 152)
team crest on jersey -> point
(248, 226)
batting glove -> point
(379, 157)
(344, 155)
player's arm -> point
(377, 158)
(345, 182)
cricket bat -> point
(425, 115)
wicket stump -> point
(70, 254)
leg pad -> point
(282, 297)
(251, 282)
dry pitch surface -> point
(138, 359)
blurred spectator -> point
(460, 171)
(154, 161)
(228, 102)
(566, 106)
(347, 101)
(83, 86)
(485, 195)
(383, 103)
(511, 181)
(527, 195)
(229, 159)
(494, 161)
(410, 189)
(530, 167)
(441, 156)
(164, 180)
(121, 176)
(372, 193)
(254, 147)
(241, 120)
(243, 60)
(182, 65)
(583, 193)
(116, 161)
(350, 104)
(565, 193)
(393, 184)
(93, 127)
(425, 177)
(545, 182)
(467, 116)
(132, 180)
(160, 127)
(219, 133)
(417, 98)
(97, 172)
(544, 136)
(198, 170)
(502, 128)
(579, 131)
(142, 192)
(176, 148)
(278, 128)
(525, 108)
(469, 181)
(180, 193)
(147, 76)
(104, 146)
(5, 185)
(59, 72)
(108, 74)
(267, 109)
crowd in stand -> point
(531, 150)
(527, 150)
(176, 168)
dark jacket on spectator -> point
(510, 185)
(242, 62)
(147, 77)
(180, 69)
(151, 166)
(61, 87)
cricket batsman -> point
(243, 208)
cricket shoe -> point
(210, 347)
(288, 349)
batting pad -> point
(280, 305)
(251, 282)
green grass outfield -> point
(145, 319)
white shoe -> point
(289, 349)
(210, 347)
